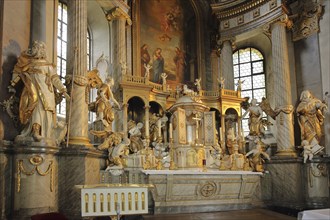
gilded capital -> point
(286, 21)
(118, 13)
(232, 41)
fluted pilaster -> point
(76, 72)
(227, 69)
(282, 89)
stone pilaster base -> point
(6, 180)
(77, 166)
(294, 186)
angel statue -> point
(37, 107)
(255, 122)
(104, 100)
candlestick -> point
(170, 131)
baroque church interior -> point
(157, 107)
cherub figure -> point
(198, 84)
(164, 76)
(221, 82)
(239, 84)
(147, 70)
(258, 156)
(307, 153)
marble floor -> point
(251, 214)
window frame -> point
(251, 75)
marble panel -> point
(202, 192)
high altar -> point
(193, 153)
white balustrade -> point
(114, 199)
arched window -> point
(249, 67)
(62, 24)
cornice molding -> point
(239, 10)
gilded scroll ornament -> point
(36, 161)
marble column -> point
(38, 20)
(118, 18)
(125, 119)
(77, 108)
(227, 69)
(282, 89)
(146, 113)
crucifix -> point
(197, 118)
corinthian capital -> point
(306, 20)
(118, 13)
(231, 40)
(286, 21)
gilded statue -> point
(117, 147)
(103, 104)
(310, 112)
(37, 106)
(135, 135)
(258, 156)
(255, 122)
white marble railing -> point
(114, 199)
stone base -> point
(77, 166)
(291, 184)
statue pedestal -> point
(35, 187)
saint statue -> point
(310, 112)
(37, 108)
